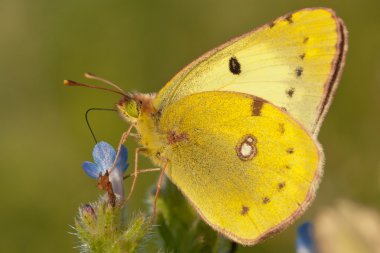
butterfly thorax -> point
(139, 110)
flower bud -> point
(87, 213)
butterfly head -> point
(131, 106)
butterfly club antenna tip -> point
(74, 83)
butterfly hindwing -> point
(293, 62)
(247, 167)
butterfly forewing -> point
(293, 62)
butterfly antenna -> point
(98, 78)
(73, 83)
(88, 122)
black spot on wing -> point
(305, 40)
(234, 66)
(299, 71)
(244, 210)
(266, 200)
(289, 18)
(290, 92)
(281, 186)
(302, 56)
(256, 107)
(290, 151)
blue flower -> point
(305, 240)
(104, 155)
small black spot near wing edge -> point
(234, 65)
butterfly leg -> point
(142, 171)
(158, 190)
(121, 142)
(136, 171)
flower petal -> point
(104, 155)
(91, 169)
(305, 241)
(122, 160)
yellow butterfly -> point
(236, 129)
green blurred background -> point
(140, 45)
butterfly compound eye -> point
(129, 108)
